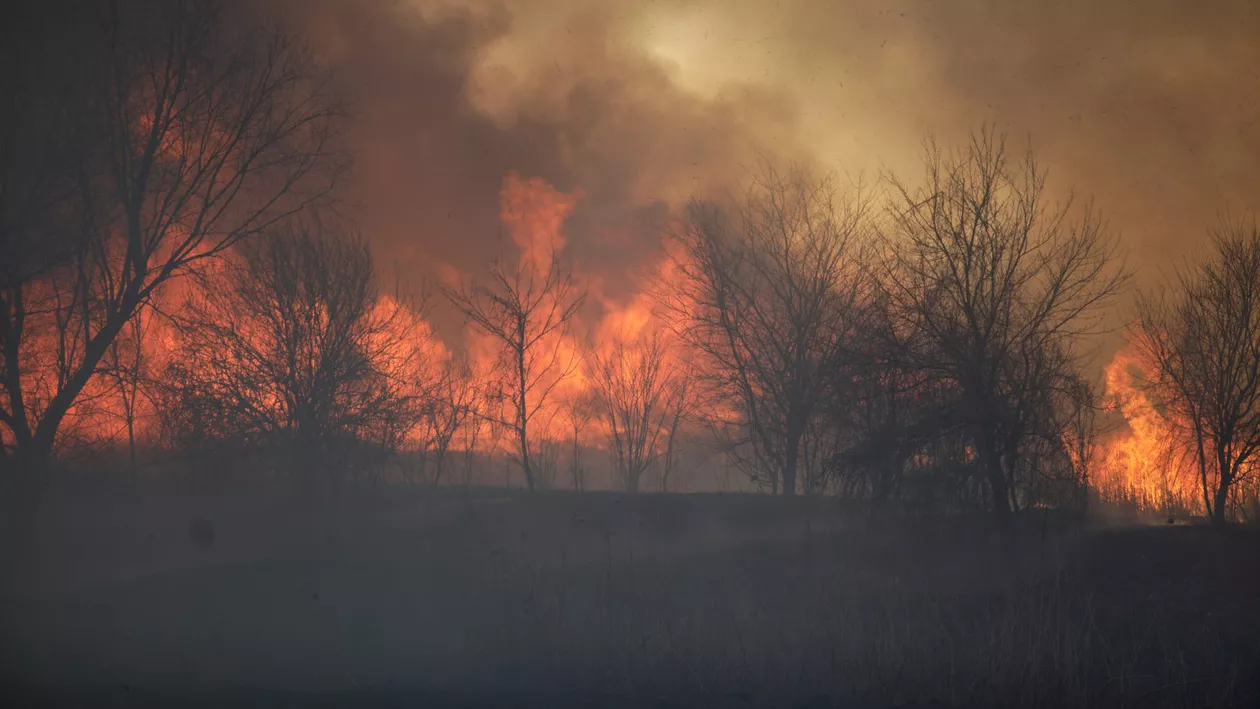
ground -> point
(165, 595)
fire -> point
(534, 213)
(1138, 464)
(1143, 464)
(628, 321)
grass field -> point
(433, 598)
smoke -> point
(1150, 108)
(449, 99)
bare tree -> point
(44, 91)
(474, 424)
(769, 295)
(1079, 431)
(451, 402)
(1204, 343)
(1050, 433)
(994, 284)
(634, 388)
(189, 135)
(679, 406)
(547, 468)
(892, 412)
(527, 310)
(577, 413)
(291, 350)
(127, 366)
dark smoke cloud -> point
(447, 100)
(1150, 107)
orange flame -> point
(534, 213)
(1142, 465)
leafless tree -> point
(679, 410)
(884, 418)
(768, 294)
(188, 135)
(471, 430)
(44, 92)
(1079, 430)
(891, 414)
(450, 403)
(994, 284)
(290, 349)
(635, 388)
(527, 309)
(1204, 342)
(127, 367)
(577, 413)
(547, 469)
(1050, 431)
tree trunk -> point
(38, 450)
(36, 454)
(437, 472)
(1220, 510)
(667, 466)
(789, 470)
(1001, 495)
(999, 490)
(529, 471)
(12, 330)
(1220, 496)
(29, 462)
(131, 441)
(522, 412)
(129, 416)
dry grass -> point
(448, 598)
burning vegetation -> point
(1142, 463)
(181, 273)
(344, 342)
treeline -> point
(142, 143)
(920, 346)
(166, 174)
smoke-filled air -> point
(674, 353)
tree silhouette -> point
(768, 294)
(527, 310)
(178, 137)
(993, 285)
(1204, 342)
(289, 349)
(635, 390)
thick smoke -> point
(1150, 108)
(449, 100)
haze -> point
(607, 353)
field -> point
(161, 596)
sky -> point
(1148, 108)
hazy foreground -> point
(392, 597)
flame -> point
(534, 213)
(1142, 464)
(1137, 464)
